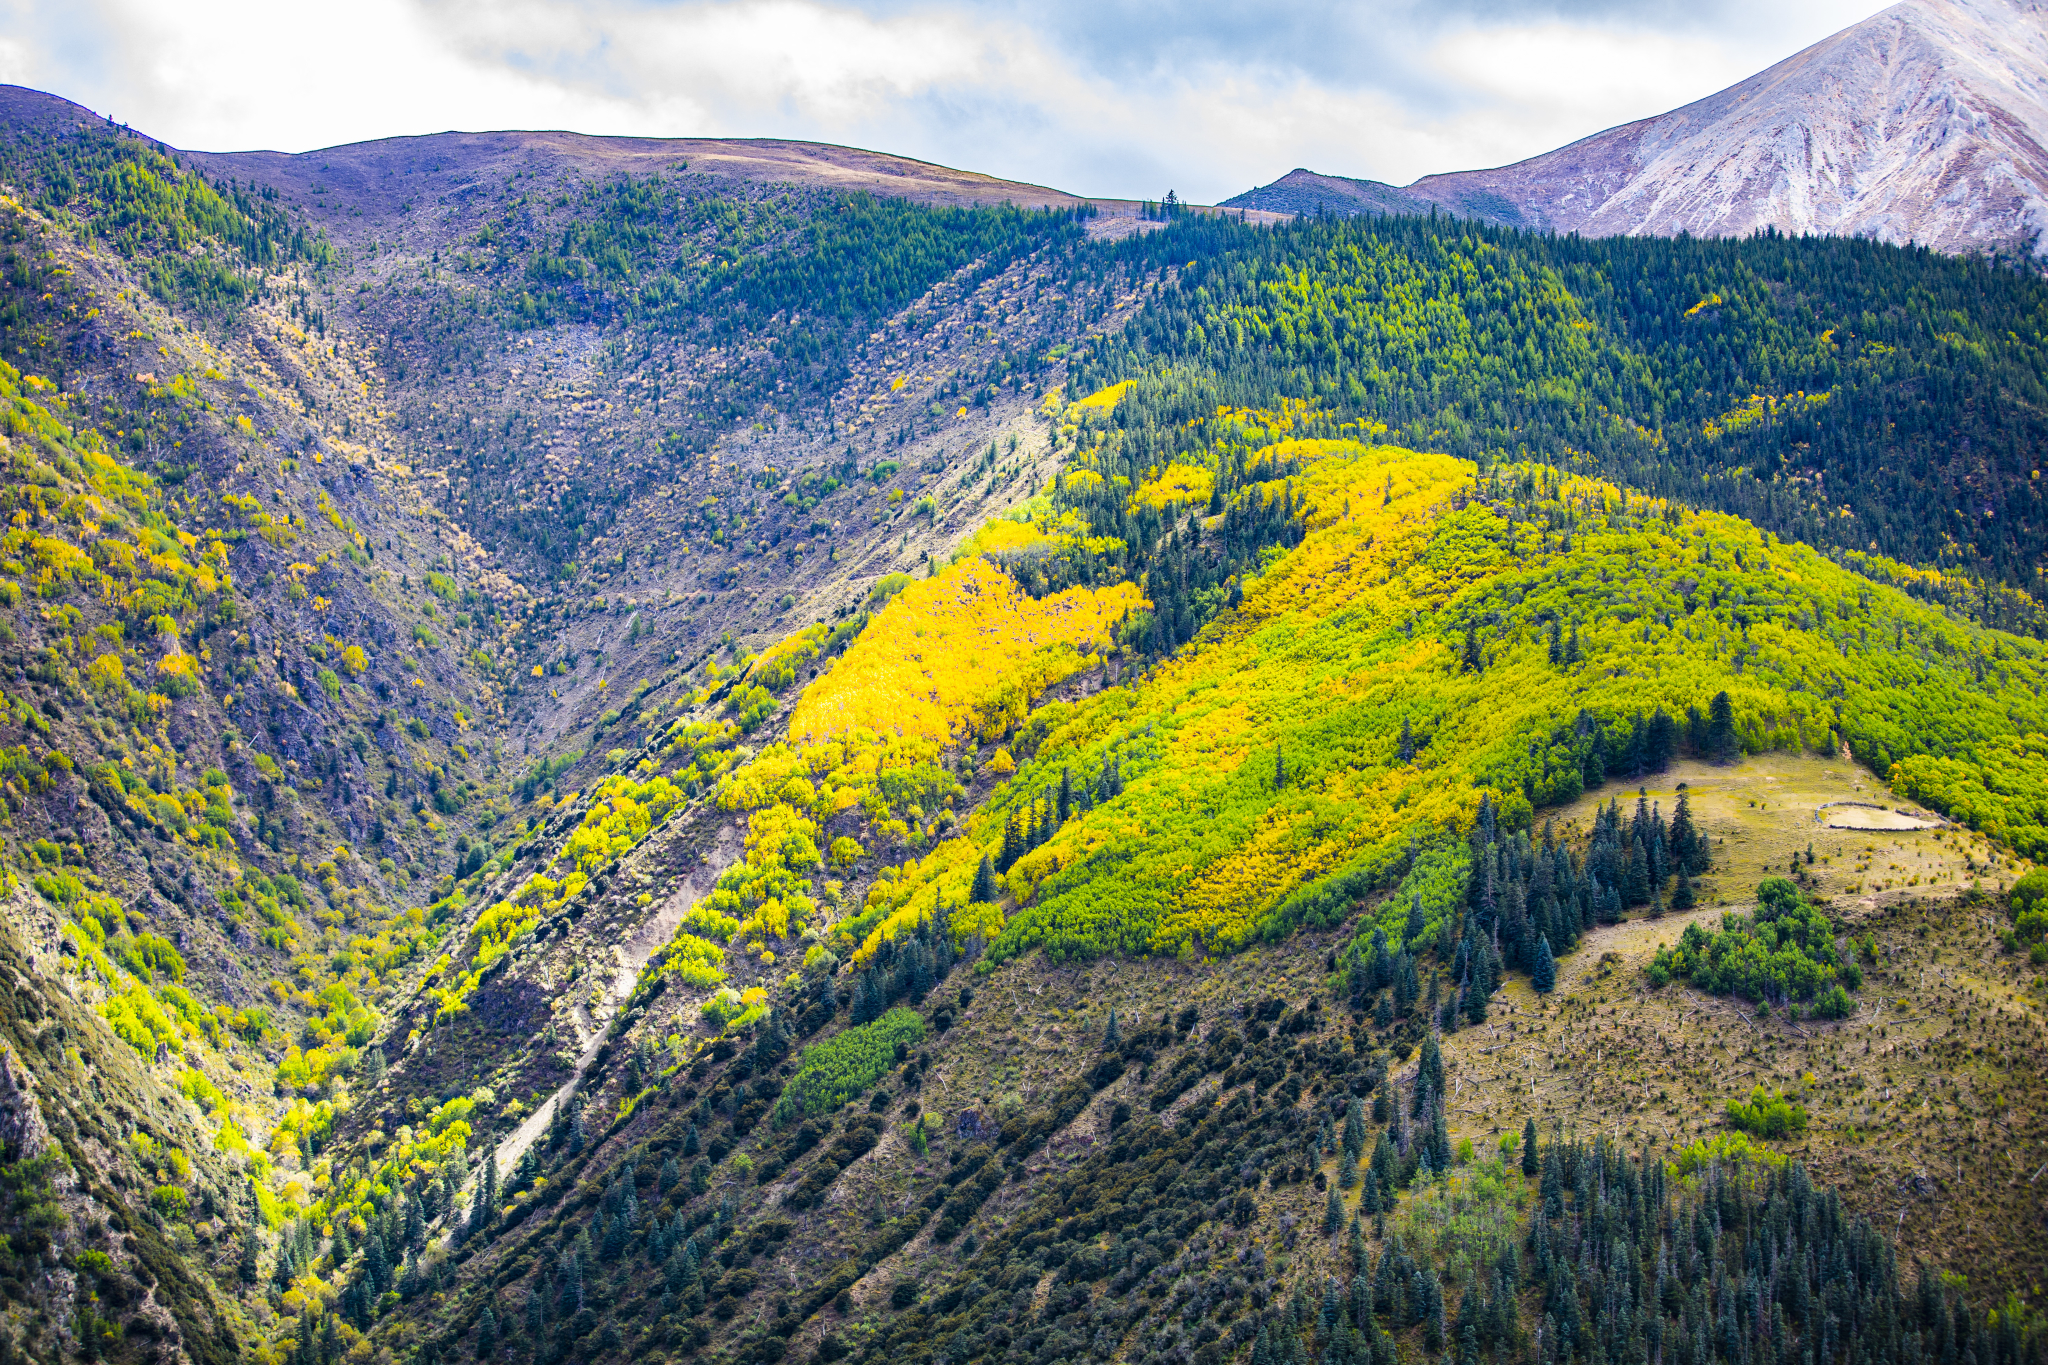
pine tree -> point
(486, 1334)
(1429, 1077)
(1682, 897)
(1333, 1216)
(1722, 744)
(1279, 770)
(1112, 1037)
(249, 1269)
(1635, 878)
(1407, 741)
(1066, 805)
(1529, 1164)
(1543, 976)
(984, 882)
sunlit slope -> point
(1524, 630)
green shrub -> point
(2029, 905)
(1767, 1115)
(1786, 950)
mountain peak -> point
(1925, 123)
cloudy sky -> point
(1102, 97)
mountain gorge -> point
(630, 750)
(1925, 123)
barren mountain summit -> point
(1925, 123)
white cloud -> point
(1087, 97)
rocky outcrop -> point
(22, 1134)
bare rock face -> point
(1926, 123)
(22, 1134)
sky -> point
(1112, 98)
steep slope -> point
(255, 735)
(1926, 123)
(1331, 799)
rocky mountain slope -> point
(1926, 123)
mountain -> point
(1926, 123)
(618, 750)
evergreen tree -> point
(249, 1269)
(1279, 771)
(1529, 1163)
(1722, 744)
(1635, 878)
(1066, 804)
(1429, 1077)
(1407, 742)
(1682, 897)
(1543, 976)
(1112, 1037)
(984, 881)
(486, 1334)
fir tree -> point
(984, 881)
(1682, 897)
(1529, 1148)
(1722, 744)
(1543, 976)
(486, 1334)
(1635, 878)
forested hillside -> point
(1864, 399)
(628, 767)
